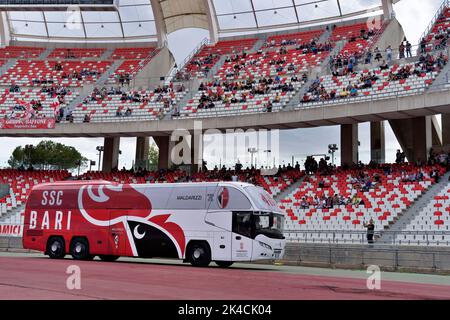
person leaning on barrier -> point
(370, 230)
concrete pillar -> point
(349, 144)
(142, 147)
(422, 138)
(388, 9)
(414, 136)
(111, 154)
(165, 146)
(212, 22)
(377, 142)
(5, 36)
(160, 23)
(446, 130)
(436, 134)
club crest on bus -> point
(223, 197)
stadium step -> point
(325, 36)
(192, 86)
(9, 64)
(46, 53)
(107, 54)
(112, 69)
(442, 79)
(409, 214)
(258, 45)
(289, 190)
(11, 217)
(216, 68)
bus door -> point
(241, 241)
(117, 237)
(221, 247)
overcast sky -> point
(414, 15)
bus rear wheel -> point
(79, 249)
(108, 258)
(224, 264)
(199, 254)
(56, 248)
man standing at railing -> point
(370, 231)
(408, 49)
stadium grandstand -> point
(272, 65)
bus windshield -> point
(269, 224)
(262, 200)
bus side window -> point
(242, 223)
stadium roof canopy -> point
(154, 19)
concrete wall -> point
(430, 103)
(159, 66)
(413, 259)
(392, 35)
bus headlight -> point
(264, 245)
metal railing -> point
(444, 4)
(384, 237)
(391, 258)
(204, 42)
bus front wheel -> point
(56, 248)
(79, 249)
(199, 254)
(108, 258)
(224, 264)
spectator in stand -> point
(87, 118)
(378, 55)
(368, 57)
(401, 51)
(389, 54)
(408, 49)
(423, 46)
(370, 231)
(268, 107)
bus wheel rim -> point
(78, 248)
(198, 253)
(55, 246)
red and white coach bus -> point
(197, 222)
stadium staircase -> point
(107, 54)
(44, 55)
(322, 70)
(85, 92)
(418, 206)
(193, 90)
(325, 36)
(9, 64)
(14, 216)
(286, 192)
(443, 79)
(258, 45)
(102, 81)
(295, 100)
(216, 68)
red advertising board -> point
(44, 123)
(11, 230)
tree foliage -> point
(153, 155)
(47, 155)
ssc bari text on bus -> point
(196, 222)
